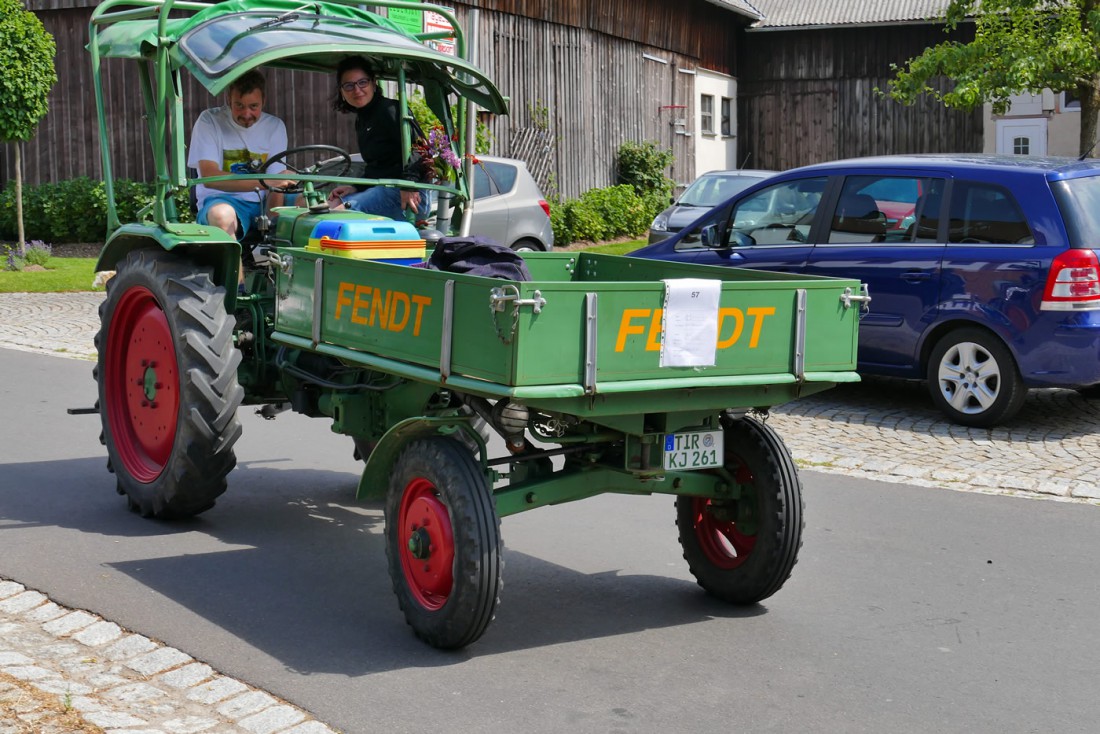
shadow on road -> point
(303, 575)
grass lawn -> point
(617, 248)
(62, 274)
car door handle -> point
(916, 276)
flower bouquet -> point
(437, 158)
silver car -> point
(508, 205)
(705, 192)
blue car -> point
(982, 270)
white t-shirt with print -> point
(217, 137)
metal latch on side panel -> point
(847, 297)
(510, 293)
(284, 263)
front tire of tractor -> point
(443, 542)
(168, 391)
(742, 551)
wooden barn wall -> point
(808, 96)
(693, 28)
(590, 91)
(579, 86)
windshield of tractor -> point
(221, 44)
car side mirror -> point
(709, 238)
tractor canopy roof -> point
(219, 42)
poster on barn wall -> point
(434, 22)
(419, 21)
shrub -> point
(642, 167)
(76, 210)
(37, 253)
(563, 233)
(584, 217)
(601, 214)
(12, 261)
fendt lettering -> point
(633, 322)
(369, 306)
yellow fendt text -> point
(647, 321)
(369, 306)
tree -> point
(26, 77)
(1019, 46)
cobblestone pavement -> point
(56, 662)
(64, 670)
(887, 430)
(63, 324)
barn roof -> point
(744, 7)
(792, 14)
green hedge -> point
(76, 210)
(625, 210)
(603, 214)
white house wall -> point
(1063, 125)
(715, 151)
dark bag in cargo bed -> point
(478, 256)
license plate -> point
(692, 450)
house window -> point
(1070, 101)
(1021, 146)
(727, 120)
(706, 114)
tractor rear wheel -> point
(443, 542)
(168, 391)
(743, 550)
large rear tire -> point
(443, 542)
(742, 551)
(168, 391)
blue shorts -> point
(385, 201)
(246, 210)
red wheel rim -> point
(722, 541)
(426, 544)
(142, 382)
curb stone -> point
(64, 664)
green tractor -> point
(573, 371)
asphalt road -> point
(912, 609)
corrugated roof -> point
(807, 13)
(744, 7)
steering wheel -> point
(298, 186)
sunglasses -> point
(351, 86)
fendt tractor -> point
(469, 398)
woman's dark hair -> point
(351, 62)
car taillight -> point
(545, 206)
(1073, 283)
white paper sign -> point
(690, 322)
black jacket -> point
(378, 129)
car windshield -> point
(1079, 199)
(711, 190)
